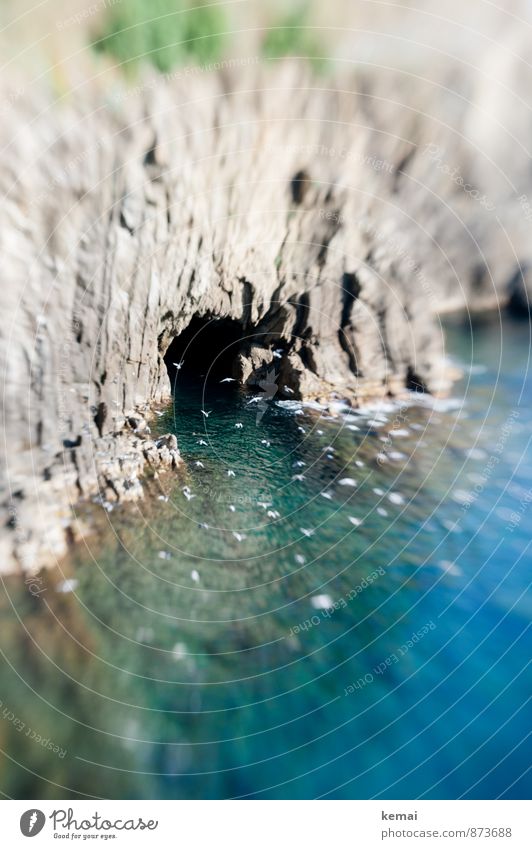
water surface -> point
(284, 633)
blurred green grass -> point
(290, 36)
(169, 33)
(164, 33)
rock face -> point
(329, 223)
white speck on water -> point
(327, 495)
(359, 463)
(162, 498)
(400, 431)
(397, 455)
(230, 473)
(450, 568)
(321, 602)
(476, 454)
(195, 576)
(354, 521)
(396, 498)
(300, 559)
(462, 496)
(232, 508)
(144, 635)
(67, 586)
(179, 651)
(307, 532)
(347, 482)
(452, 527)
(378, 491)
(381, 511)
(164, 555)
(239, 537)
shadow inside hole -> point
(206, 350)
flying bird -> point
(228, 380)
(206, 414)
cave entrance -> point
(206, 350)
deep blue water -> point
(362, 641)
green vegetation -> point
(163, 32)
(291, 36)
(169, 33)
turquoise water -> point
(361, 641)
